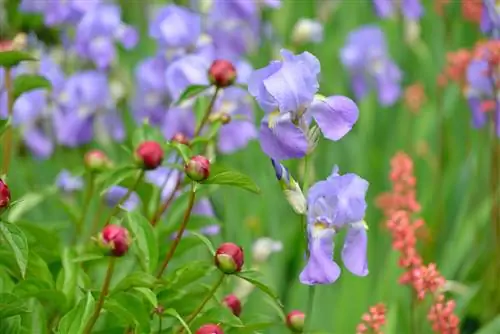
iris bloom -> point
(286, 91)
(56, 12)
(68, 183)
(334, 204)
(115, 194)
(411, 9)
(365, 56)
(490, 18)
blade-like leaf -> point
(27, 82)
(13, 58)
(173, 313)
(135, 280)
(75, 320)
(258, 280)
(224, 176)
(145, 242)
(191, 91)
(16, 240)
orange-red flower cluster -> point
(373, 320)
(472, 10)
(414, 97)
(399, 205)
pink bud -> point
(180, 138)
(222, 73)
(197, 168)
(233, 303)
(116, 238)
(96, 160)
(229, 258)
(295, 321)
(4, 195)
(210, 329)
(149, 154)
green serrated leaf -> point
(130, 309)
(11, 305)
(149, 295)
(189, 273)
(205, 241)
(191, 91)
(17, 242)
(135, 280)
(68, 280)
(258, 280)
(27, 82)
(173, 313)
(13, 58)
(75, 320)
(145, 241)
(223, 176)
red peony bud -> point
(295, 321)
(4, 195)
(180, 138)
(149, 154)
(96, 161)
(222, 73)
(233, 303)
(197, 168)
(229, 258)
(116, 238)
(210, 329)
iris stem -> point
(207, 113)
(209, 296)
(310, 308)
(180, 232)
(9, 136)
(102, 296)
(495, 190)
(116, 208)
(85, 207)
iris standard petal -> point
(334, 115)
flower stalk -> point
(85, 206)
(116, 208)
(9, 136)
(207, 112)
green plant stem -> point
(116, 209)
(85, 207)
(102, 296)
(207, 113)
(180, 232)
(309, 309)
(161, 210)
(95, 221)
(495, 195)
(209, 296)
(9, 136)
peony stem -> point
(180, 232)
(8, 143)
(207, 113)
(102, 296)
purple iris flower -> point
(490, 19)
(56, 12)
(86, 105)
(175, 27)
(333, 204)
(286, 91)
(411, 9)
(480, 89)
(68, 183)
(97, 33)
(115, 194)
(366, 57)
(186, 71)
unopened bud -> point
(4, 195)
(222, 73)
(96, 161)
(197, 168)
(233, 303)
(295, 321)
(116, 239)
(307, 31)
(229, 258)
(180, 138)
(149, 155)
(209, 329)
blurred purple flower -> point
(186, 71)
(481, 88)
(411, 9)
(336, 203)
(366, 57)
(98, 31)
(57, 12)
(115, 194)
(68, 183)
(490, 19)
(286, 90)
(175, 27)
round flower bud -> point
(295, 321)
(233, 303)
(149, 154)
(222, 73)
(229, 258)
(4, 195)
(116, 238)
(210, 329)
(180, 138)
(96, 161)
(197, 168)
